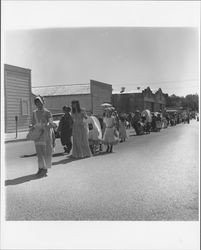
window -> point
(25, 107)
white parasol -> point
(106, 105)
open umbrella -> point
(106, 105)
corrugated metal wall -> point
(17, 97)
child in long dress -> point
(122, 130)
(42, 119)
(95, 133)
(158, 123)
(109, 137)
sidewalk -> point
(21, 136)
(11, 137)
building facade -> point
(140, 100)
(100, 93)
(90, 96)
(17, 87)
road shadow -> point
(32, 155)
(65, 161)
(25, 156)
(58, 154)
(22, 179)
(101, 153)
(68, 160)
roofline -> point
(48, 86)
(126, 93)
(65, 95)
(98, 82)
(17, 68)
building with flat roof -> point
(139, 100)
(90, 95)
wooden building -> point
(139, 100)
(17, 86)
(90, 96)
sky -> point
(60, 47)
(124, 57)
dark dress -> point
(135, 123)
(153, 123)
(65, 128)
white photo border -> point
(92, 234)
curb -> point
(15, 140)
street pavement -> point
(150, 177)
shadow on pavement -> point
(58, 154)
(25, 156)
(64, 161)
(32, 155)
(101, 153)
(70, 159)
(22, 179)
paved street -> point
(150, 177)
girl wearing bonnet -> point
(42, 119)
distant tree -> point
(173, 101)
(190, 101)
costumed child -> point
(109, 137)
(95, 133)
(122, 130)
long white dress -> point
(44, 144)
(95, 133)
(109, 137)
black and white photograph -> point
(100, 123)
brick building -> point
(139, 100)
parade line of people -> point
(85, 134)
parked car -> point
(56, 119)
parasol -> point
(106, 105)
